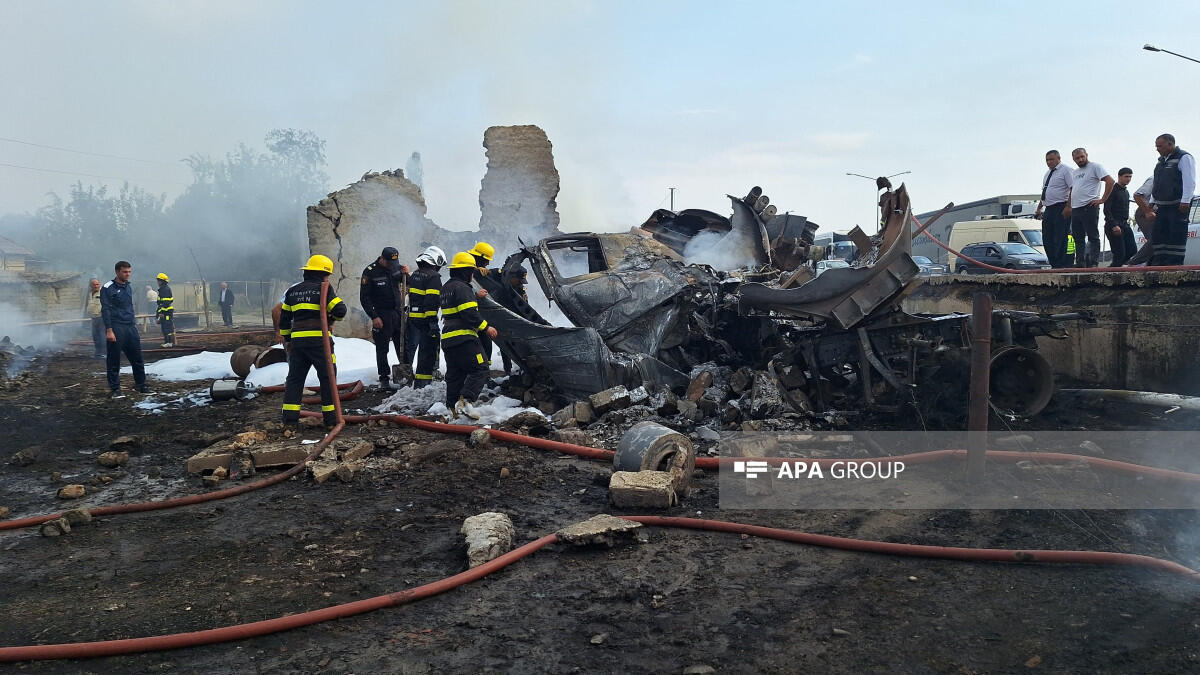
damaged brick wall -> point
(517, 199)
(519, 190)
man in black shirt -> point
(1116, 220)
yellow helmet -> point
(484, 250)
(462, 259)
(163, 276)
(319, 263)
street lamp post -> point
(1151, 48)
(871, 178)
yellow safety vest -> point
(1070, 244)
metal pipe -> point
(981, 357)
(1143, 397)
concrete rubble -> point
(488, 536)
(600, 530)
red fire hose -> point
(79, 650)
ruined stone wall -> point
(518, 193)
(352, 225)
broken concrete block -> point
(25, 457)
(526, 421)
(480, 438)
(741, 380)
(642, 489)
(322, 469)
(601, 530)
(278, 455)
(330, 453)
(113, 458)
(608, 400)
(730, 412)
(436, 449)
(574, 437)
(583, 413)
(489, 536)
(71, 492)
(78, 516)
(124, 443)
(547, 407)
(346, 471)
(565, 417)
(359, 451)
(698, 385)
(638, 396)
(248, 438)
(55, 528)
(3, 511)
(208, 459)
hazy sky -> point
(707, 97)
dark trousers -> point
(384, 337)
(98, 337)
(1122, 244)
(425, 341)
(1170, 235)
(166, 321)
(227, 314)
(1054, 234)
(1085, 227)
(305, 353)
(485, 344)
(129, 342)
(466, 372)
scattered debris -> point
(601, 530)
(113, 458)
(480, 438)
(642, 489)
(73, 491)
(489, 535)
(56, 527)
(125, 443)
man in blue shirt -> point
(116, 308)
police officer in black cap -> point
(382, 299)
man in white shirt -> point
(1086, 198)
(1056, 190)
(1174, 186)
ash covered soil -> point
(676, 601)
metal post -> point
(262, 298)
(977, 414)
(672, 198)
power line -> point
(84, 152)
(77, 173)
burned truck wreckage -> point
(646, 317)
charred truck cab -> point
(643, 316)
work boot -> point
(168, 344)
(464, 409)
(145, 389)
(386, 384)
(116, 394)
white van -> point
(1191, 254)
(1020, 230)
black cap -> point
(390, 253)
(518, 272)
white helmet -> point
(433, 256)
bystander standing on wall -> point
(1084, 209)
(1174, 185)
(1056, 191)
(1116, 220)
(94, 310)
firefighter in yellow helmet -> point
(489, 282)
(300, 326)
(165, 315)
(462, 328)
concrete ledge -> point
(1147, 331)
